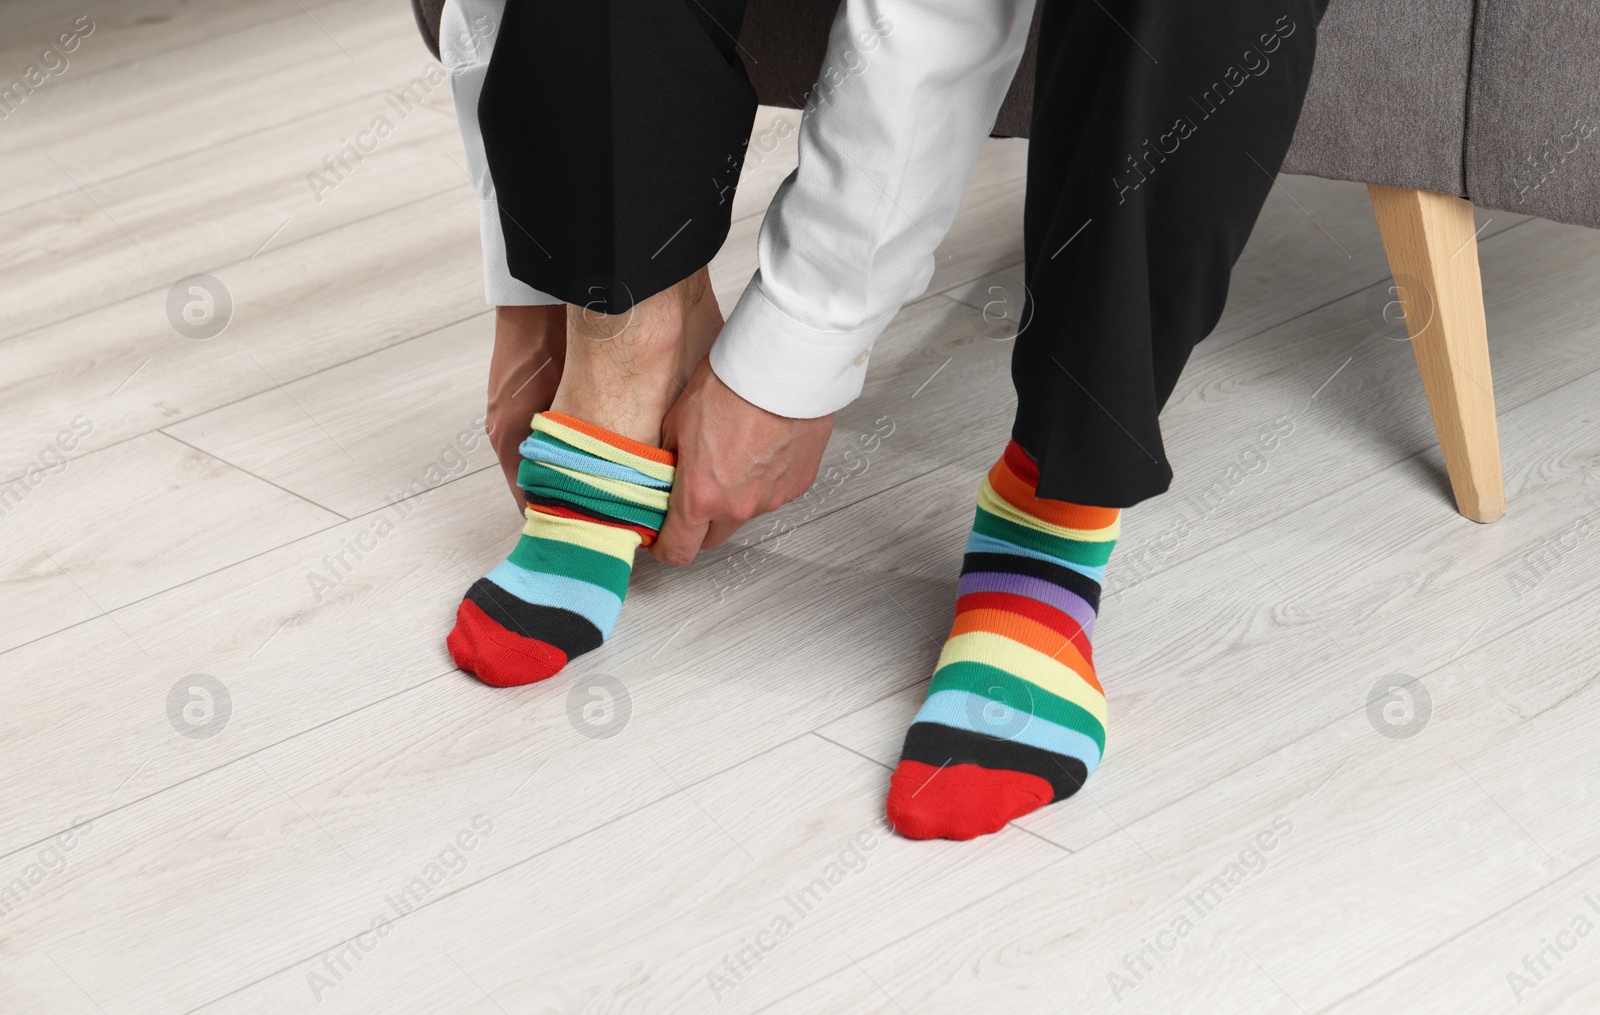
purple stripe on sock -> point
(1034, 588)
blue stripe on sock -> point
(600, 606)
(544, 451)
(979, 543)
(964, 710)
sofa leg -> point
(1433, 255)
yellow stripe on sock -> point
(598, 536)
(1027, 664)
(600, 449)
(992, 502)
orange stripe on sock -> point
(616, 440)
(1021, 496)
(1030, 633)
(1042, 613)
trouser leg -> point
(1157, 130)
(615, 131)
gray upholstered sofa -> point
(1437, 105)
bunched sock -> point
(1015, 717)
(593, 498)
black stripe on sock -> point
(938, 745)
(572, 633)
(1085, 588)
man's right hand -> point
(530, 346)
(735, 461)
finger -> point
(669, 429)
(671, 424)
(718, 532)
(680, 537)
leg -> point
(641, 354)
(597, 485)
(1431, 242)
(1154, 144)
(1164, 173)
(619, 218)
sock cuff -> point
(657, 463)
(576, 470)
(1014, 479)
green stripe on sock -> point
(978, 679)
(536, 477)
(552, 556)
(1076, 551)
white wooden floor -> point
(351, 825)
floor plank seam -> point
(234, 465)
(852, 750)
(154, 794)
(203, 149)
(918, 930)
(1353, 712)
(316, 532)
(1485, 921)
(331, 230)
(1339, 299)
(680, 789)
(178, 585)
(255, 394)
(209, 40)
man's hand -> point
(530, 346)
(735, 461)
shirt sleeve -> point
(907, 96)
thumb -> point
(680, 536)
(669, 429)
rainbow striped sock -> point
(1014, 718)
(593, 498)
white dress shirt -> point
(906, 97)
(467, 30)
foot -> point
(597, 485)
(594, 497)
(1015, 717)
(530, 344)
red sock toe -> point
(960, 801)
(498, 657)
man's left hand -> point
(735, 461)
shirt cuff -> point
(788, 368)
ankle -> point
(623, 371)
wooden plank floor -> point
(361, 828)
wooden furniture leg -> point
(1433, 250)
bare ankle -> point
(623, 371)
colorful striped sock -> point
(1014, 718)
(593, 498)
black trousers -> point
(1158, 127)
(615, 131)
(1155, 140)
